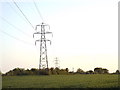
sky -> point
(85, 33)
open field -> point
(61, 81)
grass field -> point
(61, 81)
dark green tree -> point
(34, 71)
(67, 70)
(98, 70)
(117, 72)
(18, 71)
(80, 71)
(105, 71)
(45, 71)
(52, 71)
(90, 72)
(57, 70)
(101, 71)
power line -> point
(15, 27)
(16, 38)
(38, 11)
(23, 14)
(15, 11)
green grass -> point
(61, 81)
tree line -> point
(55, 71)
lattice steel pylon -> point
(43, 63)
(57, 63)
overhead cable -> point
(23, 14)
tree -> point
(98, 70)
(80, 71)
(57, 70)
(52, 71)
(105, 71)
(34, 71)
(90, 72)
(16, 71)
(101, 71)
(117, 72)
(44, 71)
(66, 69)
(27, 72)
(10, 73)
(63, 71)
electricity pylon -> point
(43, 63)
(57, 65)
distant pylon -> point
(57, 63)
(43, 63)
(73, 69)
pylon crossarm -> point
(36, 33)
(42, 40)
(37, 26)
(48, 26)
(49, 41)
(49, 33)
(37, 41)
(42, 25)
